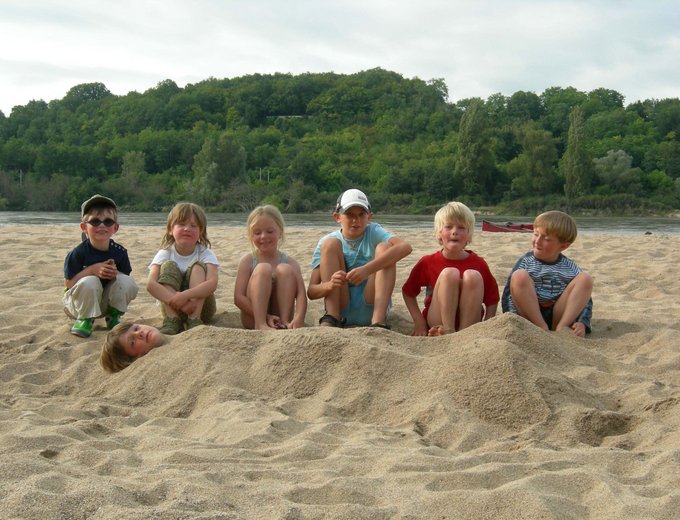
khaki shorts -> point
(171, 276)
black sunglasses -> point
(95, 222)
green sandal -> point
(194, 322)
(112, 317)
(171, 326)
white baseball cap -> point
(352, 198)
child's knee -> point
(520, 278)
(199, 268)
(382, 248)
(284, 270)
(584, 280)
(450, 276)
(262, 270)
(125, 280)
(197, 273)
(89, 284)
(331, 246)
(125, 284)
(170, 275)
(472, 278)
(169, 266)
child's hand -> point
(178, 301)
(356, 276)
(338, 279)
(189, 307)
(419, 329)
(106, 270)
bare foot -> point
(438, 330)
(264, 327)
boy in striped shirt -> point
(546, 287)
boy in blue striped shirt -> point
(546, 287)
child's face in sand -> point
(140, 339)
(546, 247)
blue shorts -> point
(547, 314)
(358, 312)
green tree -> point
(474, 162)
(220, 162)
(575, 164)
(85, 93)
(524, 106)
(615, 173)
(18, 155)
(399, 138)
(533, 171)
(558, 103)
(666, 115)
(669, 155)
(602, 100)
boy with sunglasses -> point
(97, 271)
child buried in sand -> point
(127, 342)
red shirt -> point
(429, 267)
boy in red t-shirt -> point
(460, 289)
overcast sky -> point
(478, 47)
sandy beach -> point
(499, 421)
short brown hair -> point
(559, 224)
(182, 212)
(113, 357)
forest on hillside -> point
(297, 141)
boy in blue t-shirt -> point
(354, 269)
(97, 271)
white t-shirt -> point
(201, 254)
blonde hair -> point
(454, 212)
(265, 211)
(559, 224)
(182, 212)
(113, 357)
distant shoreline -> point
(589, 224)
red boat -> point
(507, 227)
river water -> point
(602, 225)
